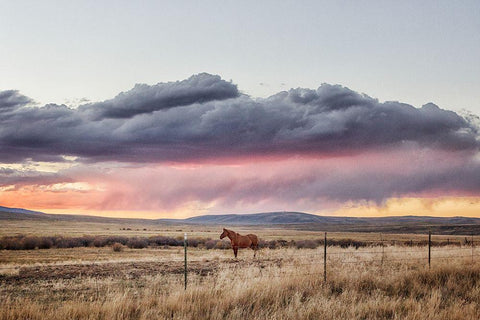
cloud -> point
(20, 178)
(204, 118)
(143, 98)
(11, 99)
(307, 184)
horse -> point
(239, 241)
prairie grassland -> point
(76, 228)
(390, 282)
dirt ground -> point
(125, 270)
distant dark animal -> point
(239, 241)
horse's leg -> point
(235, 251)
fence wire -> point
(377, 252)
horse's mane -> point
(233, 233)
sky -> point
(169, 110)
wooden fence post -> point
(325, 259)
(185, 246)
(429, 247)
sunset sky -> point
(167, 110)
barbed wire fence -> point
(335, 255)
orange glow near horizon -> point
(320, 185)
(438, 207)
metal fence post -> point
(429, 247)
(383, 248)
(325, 259)
(185, 246)
(472, 247)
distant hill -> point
(305, 221)
(18, 210)
(283, 219)
(7, 213)
(257, 218)
(266, 218)
(301, 218)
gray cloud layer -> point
(205, 117)
(12, 99)
(147, 99)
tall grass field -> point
(370, 282)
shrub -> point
(309, 244)
(222, 245)
(61, 242)
(193, 242)
(137, 243)
(85, 241)
(174, 242)
(99, 242)
(45, 243)
(29, 243)
(210, 244)
(110, 240)
(12, 243)
(272, 244)
(157, 240)
(345, 243)
(262, 243)
(282, 243)
(117, 247)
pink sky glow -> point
(200, 146)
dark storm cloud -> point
(19, 178)
(11, 99)
(143, 98)
(204, 117)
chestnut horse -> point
(239, 241)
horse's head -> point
(224, 233)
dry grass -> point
(127, 229)
(98, 283)
(393, 282)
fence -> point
(326, 254)
(431, 249)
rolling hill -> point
(301, 218)
(18, 210)
(283, 219)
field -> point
(392, 281)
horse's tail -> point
(254, 240)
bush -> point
(210, 244)
(85, 241)
(137, 243)
(110, 240)
(61, 242)
(12, 243)
(99, 242)
(272, 244)
(308, 244)
(117, 247)
(29, 243)
(158, 240)
(223, 245)
(193, 242)
(262, 244)
(45, 243)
